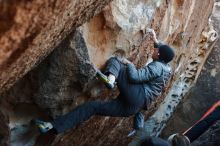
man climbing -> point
(138, 88)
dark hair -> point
(180, 140)
(166, 53)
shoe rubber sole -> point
(104, 79)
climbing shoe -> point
(104, 79)
(43, 126)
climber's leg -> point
(113, 66)
(113, 108)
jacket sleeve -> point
(144, 74)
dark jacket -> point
(153, 76)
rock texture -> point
(65, 78)
(4, 130)
(210, 137)
(202, 96)
(187, 67)
(64, 75)
(35, 29)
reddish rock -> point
(64, 79)
(37, 27)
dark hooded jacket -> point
(153, 76)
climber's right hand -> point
(153, 34)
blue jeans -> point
(130, 100)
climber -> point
(207, 120)
(138, 88)
(138, 123)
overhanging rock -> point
(36, 29)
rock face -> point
(64, 74)
(4, 130)
(35, 29)
(187, 67)
(65, 78)
(210, 137)
(202, 96)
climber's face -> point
(156, 54)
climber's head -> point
(179, 140)
(163, 52)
